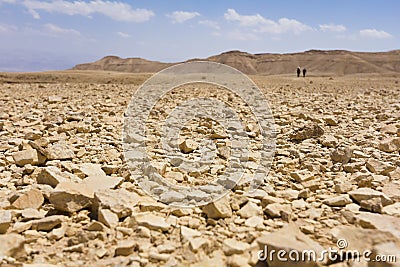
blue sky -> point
(40, 35)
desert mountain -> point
(332, 62)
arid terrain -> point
(67, 197)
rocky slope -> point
(68, 199)
(317, 62)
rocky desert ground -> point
(67, 197)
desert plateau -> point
(67, 197)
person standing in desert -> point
(298, 71)
(304, 72)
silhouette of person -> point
(298, 71)
(304, 72)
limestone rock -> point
(362, 194)
(342, 155)
(250, 210)
(119, 201)
(47, 223)
(125, 248)
(188, 146)
(107, 217)
(306, 132)
(29, 156)
(232, 246)
(289, 238)
(71, 197)
(329, 141)
(151, 221)
(97, 182)
(380, 222)
(51, 176)
(59, 151)
(393, 209)
(390, 145)
(302, 176)
(379, 167)
(30, 199)
(218, 209)
(5, 220)
(187, 233)
(90, 169)
(12, 245)
(338, 201)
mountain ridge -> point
(317, 62)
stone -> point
(119, 201)
(90, 169)
(372, 204)
(198, 243)
(362, 194)
(378, 167)
(30, 199)
(250, 210)
(232, 246)
(177, 176)
(125, 248)
(342, 155)
(331, 121)
(276, 210)
(390, 145)
(360, 239)
(57, 233)
(302, 176)
(59, 151)
(47, 223)
(188, 146)
(256, 221)
(187, 233)
(51, 176)
(71, 197)
(150, 221)
(108, 218)
(218, 209)
(30, 213)
(329, 141)
(5, 220)
(95, 226)
(97, 183)
(380, 222)
(393, 209)
(29, 156)
(54, 99)
(289, 239)
(307, 132)
(392, 190)
(389, 129)
(12, 245)
(338, 201)
(389, 250)
(238, 261)
(343, 187)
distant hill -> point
(318, 62)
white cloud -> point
(5, 28)
(58, 31)
(373, 33)
(182, 16)
(262, 24)
(332, 28)
(114, 10)
(7, 1)
(232, 15)
(209, 23)
(123, 34)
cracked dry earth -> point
(67, 197)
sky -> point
(37, 35)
